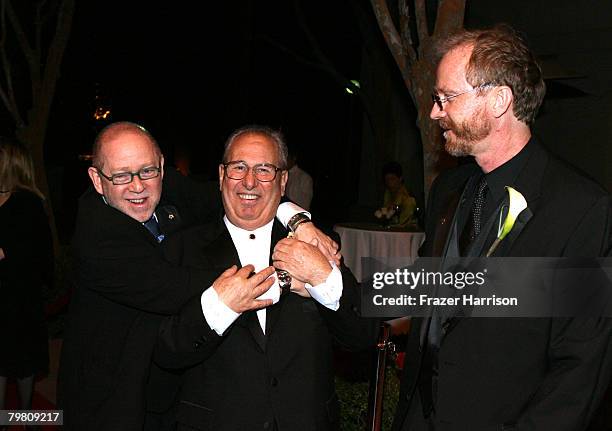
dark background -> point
(191, 72)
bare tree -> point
(416, 60)
(39, 45)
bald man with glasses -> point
(125, 282)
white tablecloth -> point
(363, 240)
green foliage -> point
(354, 401)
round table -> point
(371, 240)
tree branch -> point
(19, 33)
(56, 52)
(400, 53)
(405, 33)
(449, 17)
(421, 24)
(8, 95)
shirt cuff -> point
(218, 315)
(286, 210)
(329, 292)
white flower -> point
(517, 205)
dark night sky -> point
(191, 74)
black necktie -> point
(479, 202)
(440, 319)
(474, 223)
(153, 227)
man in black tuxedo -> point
(125, 283)
(271, 368)
(504, 373)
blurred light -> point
(355, 84)
(102, 113)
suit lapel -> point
(447, 227)
(529, 184)
(221, 251)
(223, 254)
(273, 312)
(168, 219)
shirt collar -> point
(235, 231)
(506, 174)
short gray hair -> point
(274, 135)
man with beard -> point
(503, 373)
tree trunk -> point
(417, 65)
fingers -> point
(261, 276)
(260, 303)
(262, 287)
(327, 251)
(246, 271)
(337, 257)
(228, 272)
(279, 264)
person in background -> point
(397, 197)
(26, 265)
(299, 184)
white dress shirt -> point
(256, 251)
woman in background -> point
(26, 264)
(397, 196)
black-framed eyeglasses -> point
(122, 178)
(237, 170)
(440, 101)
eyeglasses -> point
(127, 177)
(441, 100)
(264, 172)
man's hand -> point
(299, 288)
(303, 261)
(308, 232)
(1, 254)
(239, 291)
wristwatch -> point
(297, 220)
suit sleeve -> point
(185, 339)
(580, 349)
(116, 259)
(348, 327)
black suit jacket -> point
(124, 286)
(245, 380)
(532, 374)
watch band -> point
(297, 220)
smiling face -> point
(129, 151)
(464, 120)
(250, 203)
